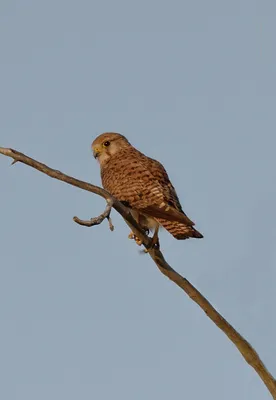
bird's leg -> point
(154, 241)
(133, 236)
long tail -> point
(179, 230)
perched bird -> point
(143, 185)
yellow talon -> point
(131, 235)
(137, 240)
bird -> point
(142, 184)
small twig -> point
(247, 351)
(98, 220)
(111, 226)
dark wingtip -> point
(197, 234)
(192, 234)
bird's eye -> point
(107, 143)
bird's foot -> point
(154, 242)
(137, 240)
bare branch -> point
(247, 351)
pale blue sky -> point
(191, 83)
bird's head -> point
(107, 145)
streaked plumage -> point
(142, 184)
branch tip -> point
(111, 226)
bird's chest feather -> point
(126, 179)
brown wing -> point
(179, 230)
(166, 212)
(171, 199)
(159, 172)
(144, 185)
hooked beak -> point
(96, 152)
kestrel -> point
(143, 185)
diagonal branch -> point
(247, 351)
